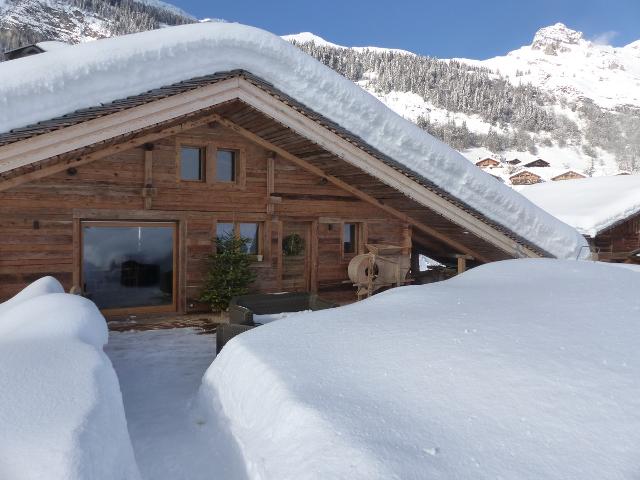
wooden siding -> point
(40, 220)
(617, 243)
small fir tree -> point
(229, 272)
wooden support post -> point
(271, 181)
(462, 262)
(148, 191)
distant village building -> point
(488, 163)
(538, 163)
(33, 49)
(525, 178)
(569, 175)
(515, 161)
(606, 210)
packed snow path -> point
(159, 373)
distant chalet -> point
(525, 178)
(537, 163)
(488, 163)
(569, 175)
(606, 210)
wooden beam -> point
(77, 158)
(148, 192)
(345, 186)
(271, 181)
(462, 262)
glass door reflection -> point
(127, 265)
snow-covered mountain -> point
(568, 100)
(73, 21)
(563, 62)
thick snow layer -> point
(308, 37)
(516, 369)
(61, 413)
(589, 204)
(44, 86)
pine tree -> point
(229, 273)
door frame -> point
(169, 308)
(311, 229)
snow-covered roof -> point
(51, 45)
(591, 205)
(59, 82)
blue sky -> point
(443, 28)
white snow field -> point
(591, 205)
(517, 369)
(50, 84)
(61, 413)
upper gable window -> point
(192, 164)
(226, 167)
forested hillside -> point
(511, 117)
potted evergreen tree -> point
(228, 274)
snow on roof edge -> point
(41, 87)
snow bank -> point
(61, 412)
(44, 86)
(588, 204)
(517, 369)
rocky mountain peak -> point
(555, 37)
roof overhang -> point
(71, 136)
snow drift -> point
(517, 369)
(44, 86)
(61, 412)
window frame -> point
(236, 165)
(209, 162)
(357, 242)
(203, 162)
(236, 231)
(109, 312)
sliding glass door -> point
(129, 266)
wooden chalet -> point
(123, 201)
(488, 163)
(620, 242)
(606, 210)
(537, 163)
(569, 175)
(515, 161)
(525, 178)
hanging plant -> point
(293, 245)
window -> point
(226, 166)
(248, 231)
(127, 265)
(192, 164)
(349, 238)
